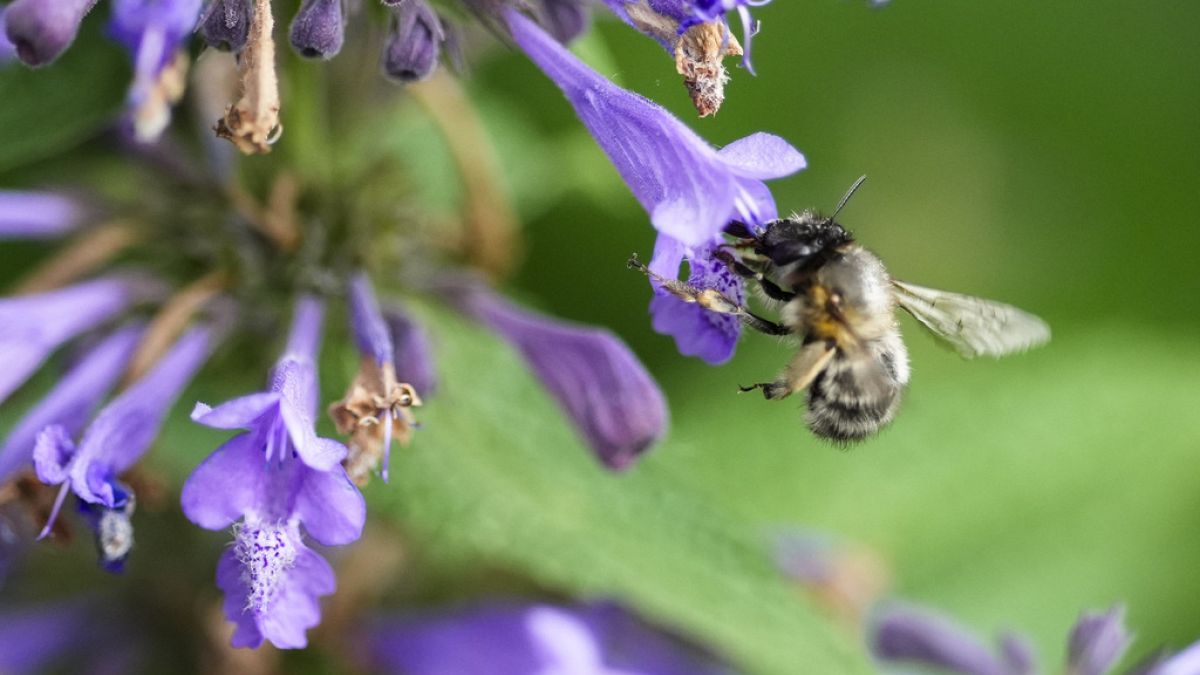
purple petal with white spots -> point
(690, 191)
(698, 332)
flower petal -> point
(240, 413)
(332, 509)
(52, 454)
(762, 156)
(227, 484)
(698, 332)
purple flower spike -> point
(906, 635)
(599, 382)
(414, 354)
(414, 42)
(265, 482)
(41, 30)
(33, 326)
(318, 29)
(226, 25)
(123, 431)
(517, 639)
(71, 401)
(37, 215)
(690, 190)
(1097, 642)
(707, 335)
(153, 30)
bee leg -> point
(803, 369)
(711, 300)
(743, 270)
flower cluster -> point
(148, 289)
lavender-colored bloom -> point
(123, 431)
(909, 635)
(318, 29)
(41, 30)
(72, 400)
(37, 215)
(1097, 642)
(698, 332)
(226, 24)
(414, 353)
(33, 326)
(564, 19)
(414, 42)
(518, 639)
(690, 190)
(599, 382)
(152, 30)
(371, 333)
(262, 481)
(8, 51)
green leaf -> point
(51, 110)
(497, 474)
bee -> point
(838, 299)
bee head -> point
(805, 238)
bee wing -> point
(972, 326)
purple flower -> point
(37, 215)
(123, 430)
(518, 639)
(905, 635)
(270, 481)
(80, 635)
(72, 400)
(698, 332)
(153, 30)
(226, 24)
(33, 326)
(690, 190)
(318, 29)
(414, 42)
(377, 407)
(41, 30)
(414, 353)
(599, 382)
(1186, 662)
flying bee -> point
(839, 300)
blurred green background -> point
(1043, 154)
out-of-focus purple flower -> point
(564, 19)
(41, 30)
(72, 400)
(43, 638)
(520, 639)
(33, 326)
(123, 430)
(376, 409)
(414, 353)
(8, 51)
(37, 215)
(226, 24)
(601, 385)
(153, 30)
(1097, 642)
(905, 635)
(318, 29)
(414, 42)
(690, 190)
(261, 481)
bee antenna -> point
(849, 193)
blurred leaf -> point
(496, 473)
(52, 109)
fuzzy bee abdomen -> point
(853, 398)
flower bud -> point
(318, 29)
(41, 30)
(227, 25)
(564, 19)
(414, 42)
